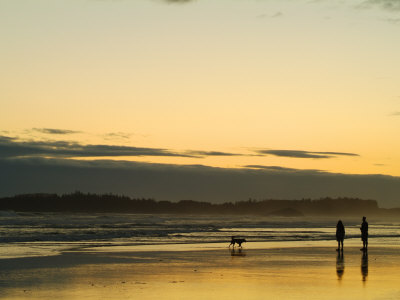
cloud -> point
(55, 131)
(293, 153)
(14, 147)
(196, 182)
(117, 136)
(278, 168)
(178, 1)
(303, 154)
(6, 139)
(211, 153)
(277, 15)
(396, 113)
(394, 21)
(9, 147)
(392, 5)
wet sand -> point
(310, 272)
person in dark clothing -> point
(364, 234)
(340, 234)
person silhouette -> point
(340, 232)
(364, 234)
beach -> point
(138, 139)
(121, 256)
(288, 272)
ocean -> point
(44, 234)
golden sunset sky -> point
(227, 83)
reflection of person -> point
(340, 234)
(364, 266)
(364, 234)
(340, 265)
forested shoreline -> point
(93, 203)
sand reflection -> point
(237, 252)
(364, 266)
(340, 265)
(282, 273)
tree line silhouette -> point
(93, 203)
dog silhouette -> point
(238, 241)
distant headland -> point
(93, 203)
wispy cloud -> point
(303, 154)
(392, 5)
(277, 15)
(395, 21)
(55, 131)
(211, 153)
(396, 113)
(178, 1)
(117, 136)
(279, 168)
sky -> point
(306, 90)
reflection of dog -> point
(236, 241)
(238, 252)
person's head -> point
(339, 222)
(364, 218)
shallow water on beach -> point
(113, 256)
(44, 234)
(284, 273)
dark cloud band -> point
(195, 182)
(11, 147)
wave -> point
(149, 229)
